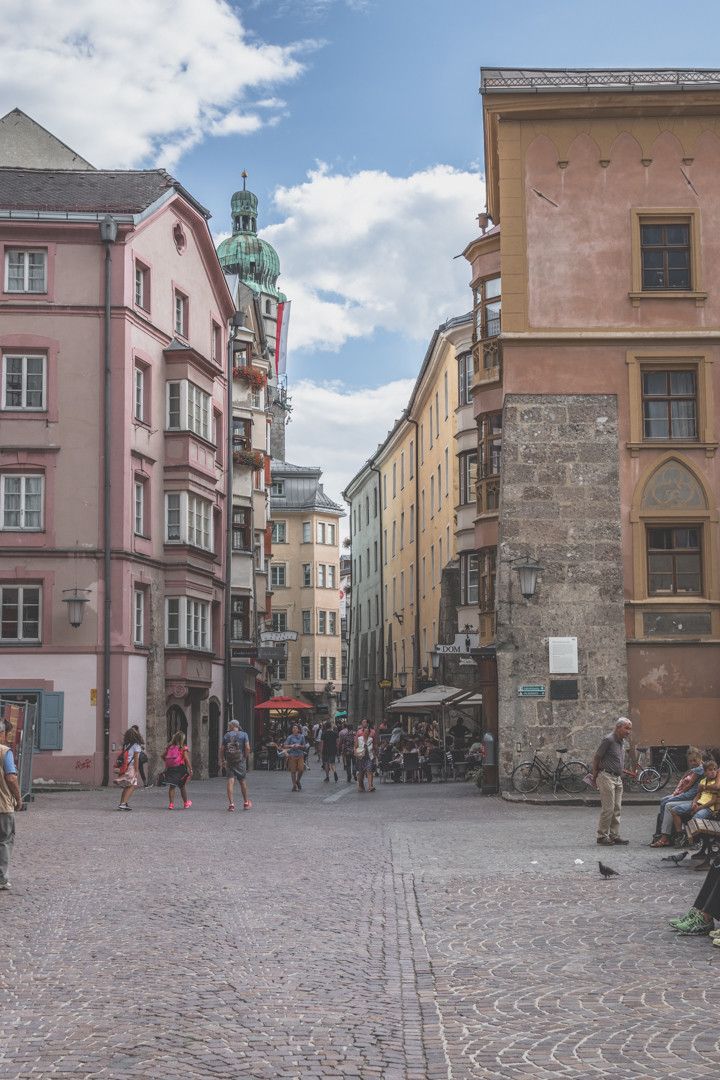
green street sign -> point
(531, 690)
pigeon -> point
(675, 858)
(607, 871)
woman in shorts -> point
(295, 747)
(129, 766)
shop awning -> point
(431, 700)
(283, 704)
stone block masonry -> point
(560, 503)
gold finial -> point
(244, 178)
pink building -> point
(170, 307)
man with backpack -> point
(10, 801)
(234, 752)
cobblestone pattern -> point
(393, 937)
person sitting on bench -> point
(707, 801)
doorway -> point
(176, 721)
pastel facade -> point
(169, 311)
(365, 631)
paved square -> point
(423, 932)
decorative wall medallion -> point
(177, 689)
(673, 486)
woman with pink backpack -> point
(178, 769)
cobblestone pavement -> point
(423, 932)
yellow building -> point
(419, 495)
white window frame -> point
(332, 668)
(321, 575)
(180, 314)
(323, 668)
(21, 601)
(139, 508)
(25, 253)
(307, 621)
(277, 488)
(187, 623)
(139, 617)
(279, 621)
(188, 408)
(281, 568)
(22, 510)
(23, 406)
(321, 532)
(332, 623)
(322, 621)
(305, 669)
(307, 575)
(139, 393)
(279, 532)
(331, 576)
(192, 520)
(330, 532)
(307, 532)
(140, 286)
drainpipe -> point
(416, 640)
(375, 469)
(237, 320)
(108, 236)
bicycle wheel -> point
(649, 780)
(665, 772)
(571, 777)
(526, 777)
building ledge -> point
(669, 294)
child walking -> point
(178, 769)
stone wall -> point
(560, 503)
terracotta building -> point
(596, 404)
(113, 328)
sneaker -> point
(697, 928)
(336, 778)
(187, 805)
(690, 916)
(715, 934)
(619, 840)
(124, 806)
(231, 806)
(171, 806)
(299, 786)
(715, 941)
(326, 780)
(605, 841)
(247, 805)
(4, 886)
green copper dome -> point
(244, 253)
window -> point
(188, 519)
(432, 496)
(305, 667)
(422, 508)
(188, 409)
(669, 404)
(323, 668)
(367, 510)
(240, 618)
(674, 558)
(385, 547)
(142, 286)
(402, 531)
(385, 491)
(330, 532)
(465, 377)
(139, 508)
(332, 622)
(447, 473)
(307, 532)
(469, 578)
(21, 500)
(278, 575)
(307, 575)
(412, 584)
(187, 622)
(486, 570)
(422, 444)
(181, 314)
(279, 532)
(411, 459)
(394, 475)
(411, 538)
(279, 620)
(430, 426)
(322, 622)
(432, 565)
(402, 589)
(280, 670)
(307, 622)
(24, 379)
(439, 486)
(375, 503)
(446, 390)
(331, 577)
(215, 342)
(139, 393)
(321, 576)
(488, 468)
(242, 433)
(375, 556)
(19, 613)
(468, 477)
(377, 607)
(257, 398)
(321, 532)
(277, 488)
(437, 415)
(241, 528)
(665, 255)
(25, 271)
(139, 617)
(394, 539)
(332, 668)
(487, 309)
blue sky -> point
(360, 124)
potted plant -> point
(253, 376)
(253, 459)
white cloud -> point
(372, 251)
(138, 82)
(338, 428)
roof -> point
(552, 80)
(120, 191)
(303, 491)
(26, 143)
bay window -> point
(188, 520)
(187, 623)
(188, 409)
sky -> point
(360, 125)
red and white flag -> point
(283, 319)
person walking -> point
(129, 766)
(295, 745)
(143, 759)
(10, 801)
(346, 743)
(607, 769)
(178, 769)
(234, 753)
(365, 756)
(329, 751)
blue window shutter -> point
(51, 721)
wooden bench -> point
(707, 830)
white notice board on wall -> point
(563, 655)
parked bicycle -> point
(641, 777)
(568, 775)
(667, 767)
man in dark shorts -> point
(328, 748)
(234, 752)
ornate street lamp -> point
(76, 605)
(402, 679)
(528, 570)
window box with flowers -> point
(253, 376)
(253, 459)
